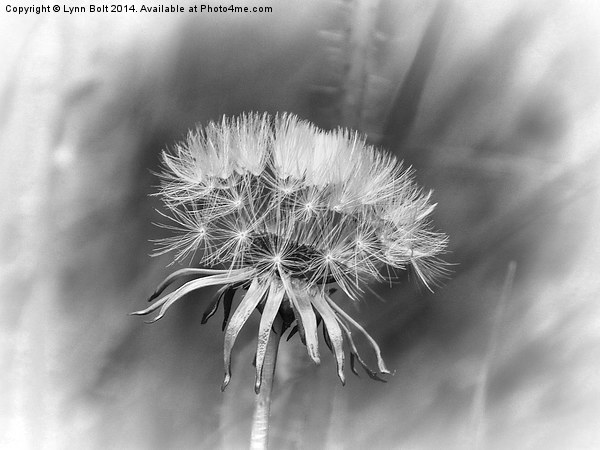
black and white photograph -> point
(300, 224)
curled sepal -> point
(307, 321)
(211, 309)
(227, 302)
(274, 299)
(372, 374)
(292, 332)
(255, 293)
(164, 303)
(180, 274)
(330, 321)
(354, 356)
(341, 312)
(326, 339)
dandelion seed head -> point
(307, 190)
(282, 209)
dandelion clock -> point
(283, 214)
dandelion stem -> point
(262, 407)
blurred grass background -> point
(494, 103)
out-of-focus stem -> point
(262, 407)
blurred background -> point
(494, 103)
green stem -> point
(262, 407)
